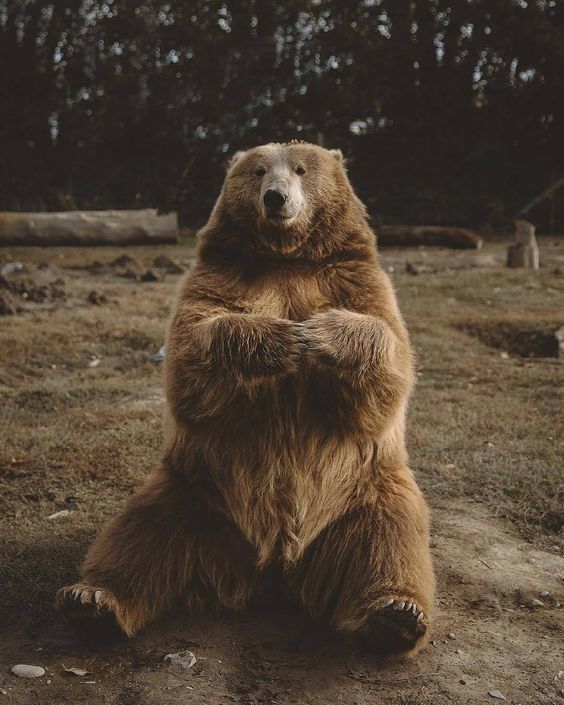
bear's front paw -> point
(92, 610)
(320, 339)
(252, 347)
(275, 349)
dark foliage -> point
(451, 111)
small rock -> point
(451, 635)
(159, 356)
(22, 670)
(94, 363)
(149, 276)
(496, 694)
(182, 659)
(60, 515)
(3, 691)
(544, 594)
(536, 603)
(11, 267)
(74, 671)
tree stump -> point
(559, 335)
(525, 251)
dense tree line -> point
(451, 111)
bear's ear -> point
(235, 158)
(338, 155)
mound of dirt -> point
(130, 267)
(96, 298)
(168, 265)
(39, 285)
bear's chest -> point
(295, 293)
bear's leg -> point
(370, 572)
(170, 546)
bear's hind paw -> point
(92, 610)
(397, 625)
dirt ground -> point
(80, 412)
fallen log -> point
(139, 227)
(430, 235)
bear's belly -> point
(282, 486)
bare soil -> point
(80, 415)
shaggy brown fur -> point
(288, 371)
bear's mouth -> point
(276, 217)
(280, 218)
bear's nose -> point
(274, 199)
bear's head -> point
(286, 198)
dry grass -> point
(486, 423)
(81, 438)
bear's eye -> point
(261, 171)
(300, 170)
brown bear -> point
(288, 371)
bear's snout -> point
(274, 200)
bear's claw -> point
(408, 607)
(67, 598)
(304, 343)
